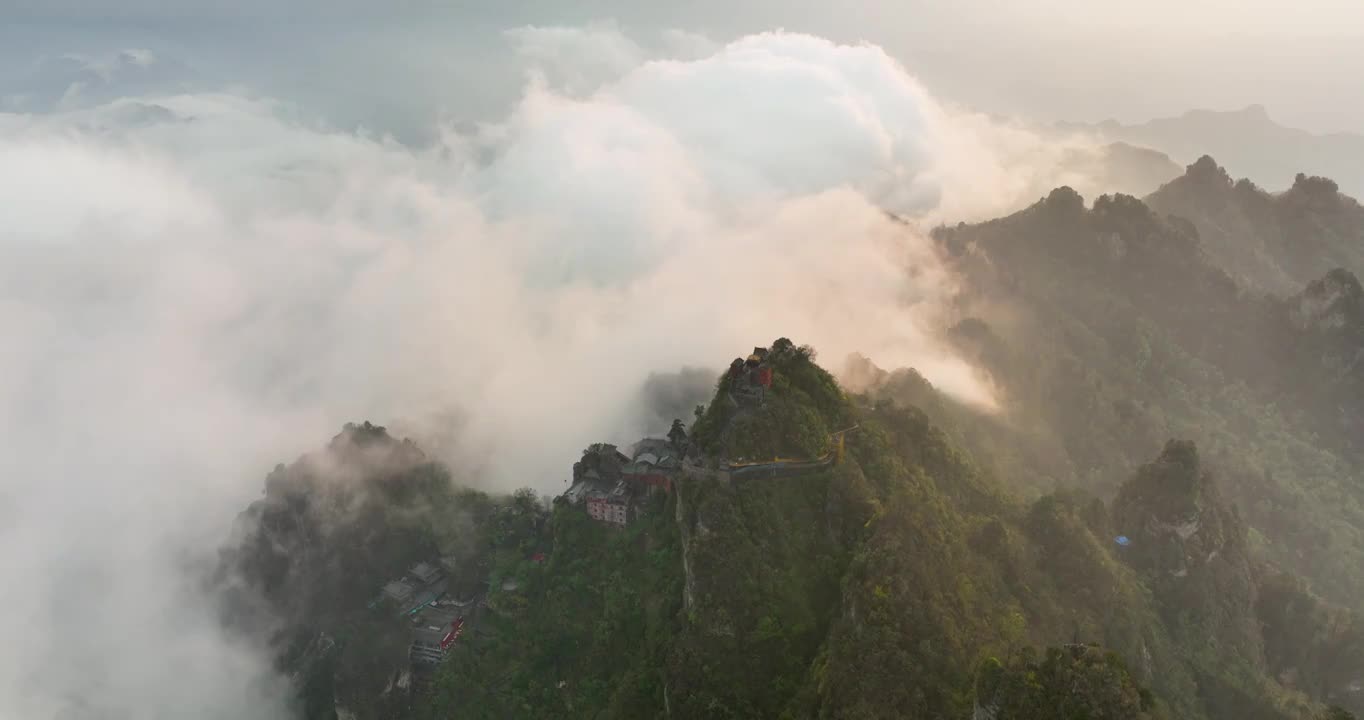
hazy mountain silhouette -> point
(1249, 143)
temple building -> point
(434, 632)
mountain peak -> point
(1065, 199)
(1205, 170)
(1165, 492)
(1315, 186)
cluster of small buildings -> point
(421, 584)
(609, 484)
(437, 619)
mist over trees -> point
(1071, 452)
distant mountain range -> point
(1122, 168)
(1248, 142)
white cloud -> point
(576, 59)
(196, 286)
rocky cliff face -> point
(1189, 543)
(1189, 546)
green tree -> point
(677, 435)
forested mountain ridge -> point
(1064, 557)
(1274, 242)
(903, 581)
(1110, 329)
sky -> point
(381, 63)
(231, 228)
